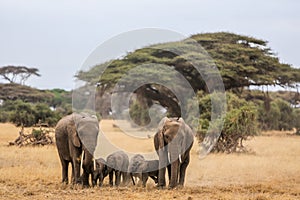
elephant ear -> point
(74, 135)
(87, 128)
(187, 136)
(75, 140)
(159, 137)
(162, 123)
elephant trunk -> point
(175, 158)
(163, 163)
(88, 162)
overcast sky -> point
(56, 36)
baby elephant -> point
(143, 169)
(150, 169)
(100, 172)
(134, 167)
(117, 163)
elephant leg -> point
(73, 175)
(101, 180)
(183, 170)
(169, 171)
(132, 178)
(144, 179)
(125, 178)
(111, 176)
(154, 178)
(85, 178)
(65, 167)
(76, 171)
(161, 177)
(94, 180)
(163, 162)
(118, 177)
(174, 174)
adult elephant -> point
(74, 134)
(173, 142)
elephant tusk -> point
(81, 162)
(180, 158)
(169, 158)
(94, 162)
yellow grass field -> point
(271, 172)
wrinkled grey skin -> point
(100, 172)
(75, 133)
(146, 169)
(134, 167)
(117, 163)
(179, 139)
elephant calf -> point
(134, 166)
(100, 172)
(117, 163)
(150, 169)
(143, 169)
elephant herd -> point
(76, 140)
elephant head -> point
(173, 142)
(100, 171)
(87, 128)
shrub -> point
(239, 122)
(296, 120)
(280, 116)
(27, 114)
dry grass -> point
(271, 172)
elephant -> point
(117, 163)
(143, 169)
(146, 169)
(100, 172)
(173, 142)
(150, 169)
(76, 139)
(134, 166)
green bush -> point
(239, 122)
(296, 114)
(138, 114)
(269, 120)
(27, 114)
(286, 115)
(280, 116)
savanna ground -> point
(272, 171)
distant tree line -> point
(27, 106)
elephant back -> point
(135, 163)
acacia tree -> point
(242, 61)
(17, 74)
